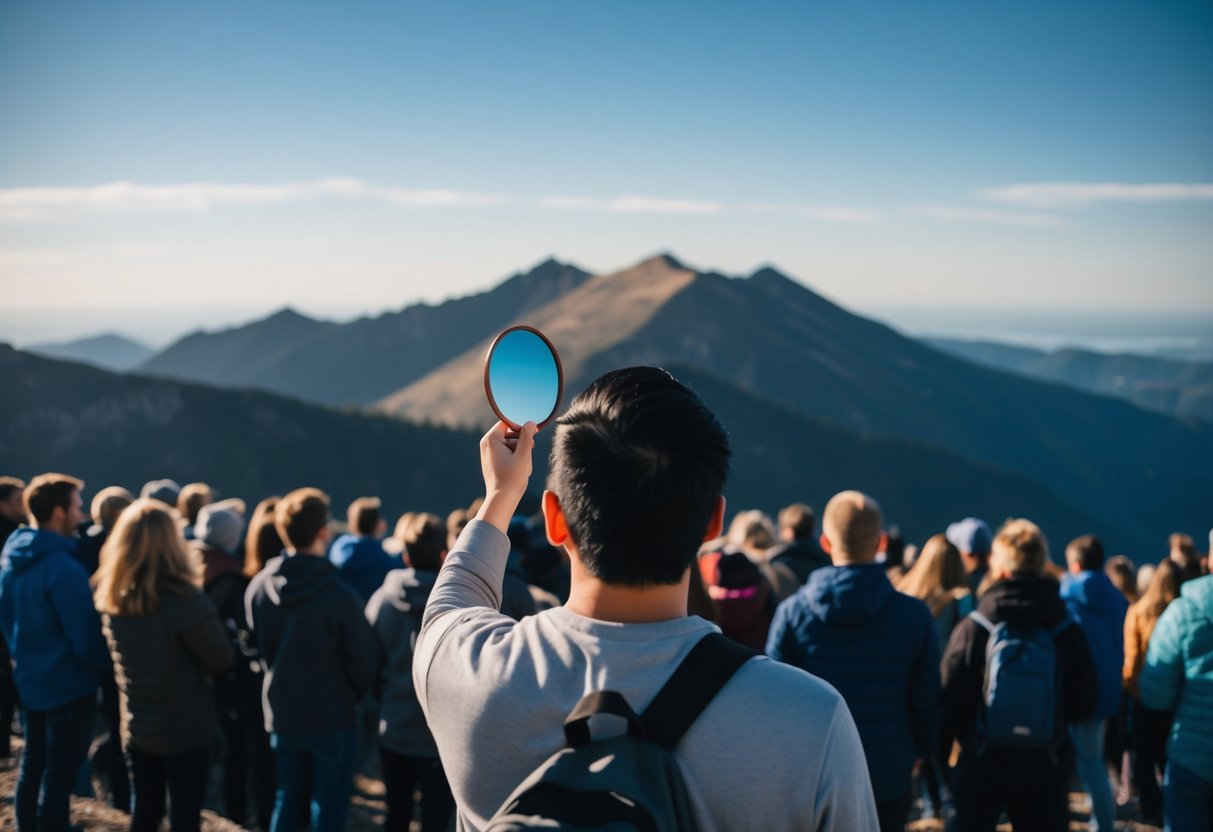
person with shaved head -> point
(878, 647)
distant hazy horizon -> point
(1175, 333)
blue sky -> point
(354, 157)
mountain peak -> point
(664, 259)
(769, 273)
(287, 313)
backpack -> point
(742, 596)
(630, 782)
(1020, 703)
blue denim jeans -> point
(1088, 736)
(1187, 800)
(56, 746)
(327, 761)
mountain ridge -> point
(772, 336)
(340, 364)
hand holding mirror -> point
(523, 378)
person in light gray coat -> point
(407, 752)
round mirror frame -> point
(488, 388)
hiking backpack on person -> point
(630, 781)
(1019, 691)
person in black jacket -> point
(167, 643)
(12, 515)
(319, 655)
(246, 750)
(1030, 783)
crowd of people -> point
(154, 640)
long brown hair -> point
(1163, 589)
(144, 559)
(262, 540)
(938, 575)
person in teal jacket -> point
(1178, 676)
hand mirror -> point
(523, 378)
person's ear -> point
(442, 556)
(554, 523)
(825, 544)
(716, 524)
(883, 546)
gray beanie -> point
(165, 491)
(221, 524)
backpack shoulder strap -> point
(986, 624)
(1065, 622)
(696, 681)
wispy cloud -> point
(983, 215)
(42, 204)
(642, 204)
(48, 204)
(1078, 194)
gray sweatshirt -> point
(776, 749)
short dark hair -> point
(8, 485)
(638, 462)
(425, 541)
(798, 518)
(363, 515)
(300, 515)
(1086, 552)
(192, 498)
(46, 492)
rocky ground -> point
(367, 810)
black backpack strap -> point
(696, 681)
(577, 726)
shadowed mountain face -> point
(781, 455)
(364, 360)
(109, 351)
(1179, 388)
(772, 336)
(125, 430)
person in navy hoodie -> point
(59, 655)
(358, 555)
(848, 626)
(1095, 603)
(319, 656)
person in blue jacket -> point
(59, 655)
(358, 555)
(1178, 676)
(1099, 607)
(848, 626)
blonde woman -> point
(1150, 727)
(938, 580)
(167, 643)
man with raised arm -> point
(638, 465)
